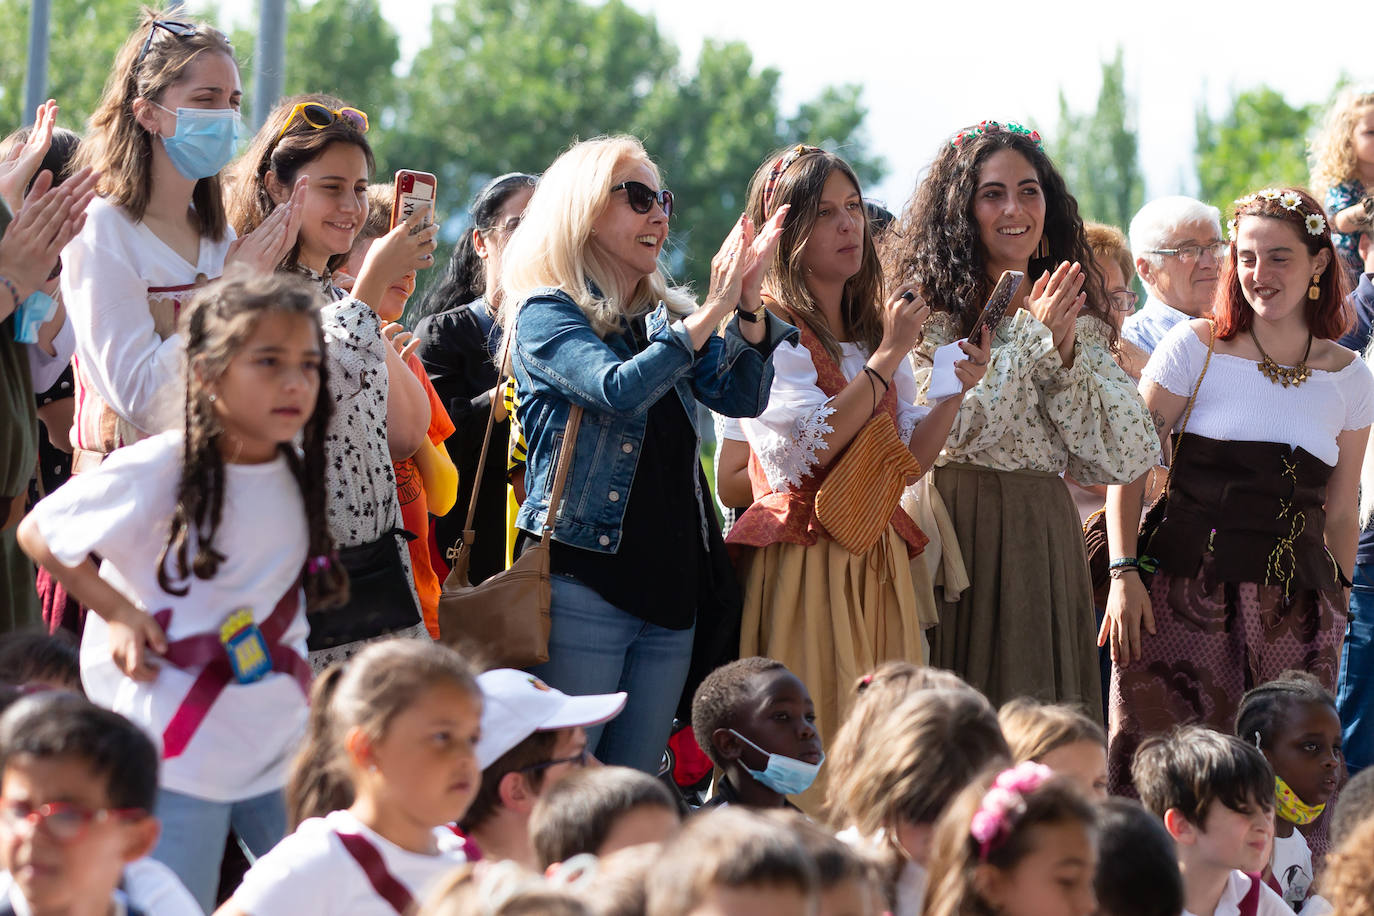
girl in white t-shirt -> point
(214, 543)
(389, 762)
(165, 127)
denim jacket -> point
(558, 360)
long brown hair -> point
(214, 327)
(801, 184)
(285, 155)
(119, 148)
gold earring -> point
(1042, 250)
(1314, 292)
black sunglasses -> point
(642, 197)
(580, 759)
(179, 29)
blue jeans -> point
(1355, 691)
(194, 831)
(594, 647)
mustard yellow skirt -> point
(830, 616)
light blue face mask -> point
(784, 775)
(205, 140)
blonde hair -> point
(119, 148)
(1348, 882)
(918, 754)
(1033, 729)
(1333, 155)
(875, 694)
(1109, 243)
(551, 246)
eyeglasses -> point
(642, 197)
(510, 225)
(579, 759)
(1123, 300)
(1190, 253)
(65, 822)
(320, 117)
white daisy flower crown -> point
(1288, 200)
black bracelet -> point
(877, 375)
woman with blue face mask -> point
(165, 127)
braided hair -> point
(1264, 709)
(216, 324)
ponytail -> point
(317, 784)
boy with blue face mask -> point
(755, 720)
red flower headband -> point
(992, 127)
(782, 165)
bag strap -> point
(387, 886)
(1192, 399)
(560, 476)
(469, 534)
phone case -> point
(998, 302)
(413, 189)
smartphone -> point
(1001, 297)
(413, 189)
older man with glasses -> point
(1178, 250)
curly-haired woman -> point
(1053, 400)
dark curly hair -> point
(936, 243)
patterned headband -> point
(992, 127)
(1278, 202)
(782, 165)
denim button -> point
(604, 541)
(613, 496)
(626, 447)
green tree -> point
(84, 37)
(1259, 142)
(343, 47)
(1098, 152)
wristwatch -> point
(752, 317)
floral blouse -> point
(1030, 413)
(1343, 195)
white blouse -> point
(789, 432)
(1238, 404)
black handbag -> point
(380, 599)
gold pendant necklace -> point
(1283, 375)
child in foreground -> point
(215, 545)
(1021, 842)
(1215, 795)
(76, 817)
(756, 722)
(601, 810)
(1293, 722)
(390, 761)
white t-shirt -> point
(148, 885)
(787, 435)
(1238, 404)
(1237, 886)
(121, 511)
(311, 872)
(122, 286)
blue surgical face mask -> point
(784, 775)
(204, 142)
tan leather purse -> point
(864, 487)
(504, 621)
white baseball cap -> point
(516, 704)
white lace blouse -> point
(788, 434)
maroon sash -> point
(387, 885)
(206, 652)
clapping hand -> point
(269, 244)
(18, 168)
(1055, 300)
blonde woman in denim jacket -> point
(597, 324)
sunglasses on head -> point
(320, 117)
(172, 27)
(642, 197)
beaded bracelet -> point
(1122, 565)
(14, 291)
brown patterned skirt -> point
(1215, 640)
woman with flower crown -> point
(1271, 417)
(1053, 400)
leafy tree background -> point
(1098, 152)
(502, 85)
(1261, 141)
